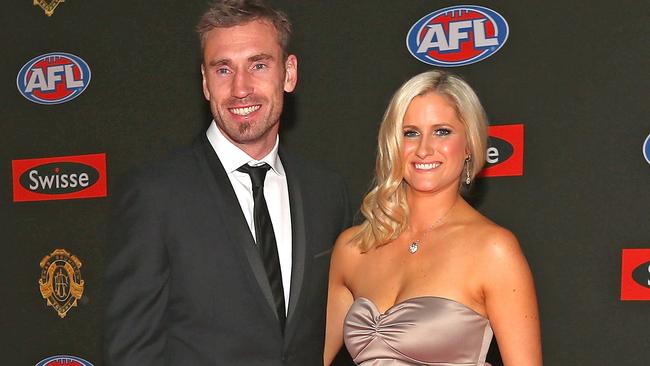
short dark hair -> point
(229, 13)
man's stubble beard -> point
(244, 127)
(245, 132)
(248, 131)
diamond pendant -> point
(413, 247)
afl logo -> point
(64, 360)
(53, 78)
(457, 35)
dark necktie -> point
(265, 236)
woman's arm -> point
(339, 298)
(510, 300)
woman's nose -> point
(425, 147)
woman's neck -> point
(427, 208)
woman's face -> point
(434, 146)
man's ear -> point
(290, 73)
(206, 91)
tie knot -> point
(257, 173)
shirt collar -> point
(233, 157)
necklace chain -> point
(415, 243)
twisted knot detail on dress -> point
(265, 236)
(425, 330)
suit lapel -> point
(234, 224)
(299, 238)
(298, 235)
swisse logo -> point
(642, 274)
(457, 35)
(59, 178)
(63, 360)
(53, 78)
(505, 152)
(499, 150)
(635, 274)
(80, 176)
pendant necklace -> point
(415, 243)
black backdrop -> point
(574, 73)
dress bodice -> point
(425, 330)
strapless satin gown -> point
(425, 330)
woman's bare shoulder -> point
(345, 246)
(347, 234)
(491, 239)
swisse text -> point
(58, 181)
(59, 178)
(498, 151)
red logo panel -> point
(635, 274)
(505, 153)
(59, 178)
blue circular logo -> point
(457, 35)
(646, 149)
(53, 78)
(64, 360)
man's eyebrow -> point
(227, 61)
(219, 62)
(260, 57)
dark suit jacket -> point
(185, 284)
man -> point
(191, 277)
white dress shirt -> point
(276, 194)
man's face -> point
(244, 79)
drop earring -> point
(468, 178)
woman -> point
(426, 279)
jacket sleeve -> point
(136, 278)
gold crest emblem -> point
(61, 283)
(48, 5)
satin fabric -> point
(425, 330)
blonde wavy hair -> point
(385, 208)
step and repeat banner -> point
(92, 89)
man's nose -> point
(242, 85)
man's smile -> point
(244, 111)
